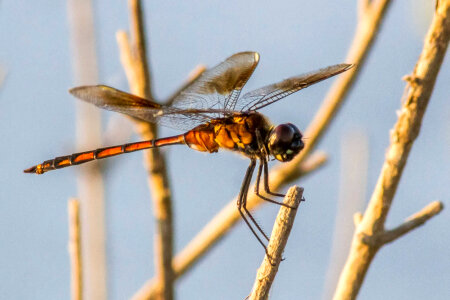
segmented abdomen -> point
(201, 139)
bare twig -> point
(404, 133)
(192, 77)
(214, 231)
(134, 60)
(76, 266)
(141, 81)
(88, 133)
(278, 239)
(412, 222)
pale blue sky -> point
(37, 123)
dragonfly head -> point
(285, 142)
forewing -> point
(115, 100)
(219, 88)
(269, 94)
(110, 98)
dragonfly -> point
(213, 116)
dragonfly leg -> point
(266, 181)
(262, 163)
(257, 184)
(242, 205)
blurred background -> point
(37, 122)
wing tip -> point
(83, 90)
(340, 68)
(74, 90)
(244, 53)
(348, 66)
(256, 56)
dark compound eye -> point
(285, 142)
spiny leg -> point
(266, 181)
(267, 189)
(258, 179)
(263, 162)
(244, 206)
(242, 199)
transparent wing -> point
(219, 87)
(269, 94)
(110, 98)
(115, 100)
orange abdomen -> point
(201, 139)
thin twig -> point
(74, 247)
(214, 231)
(192, 77)
(141, 82)
(414, 221)
(134, 61)
(403, 135)
(278, 239)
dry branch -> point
(134, 60)
(411, 223)
(74, 247)
(278, 239)
(365, 240)
(366, 32)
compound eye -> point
(285, 142)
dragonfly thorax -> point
(285, 142)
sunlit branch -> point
(366, 240)
(416, 220)
(278, 239)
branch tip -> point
(278, 239)
(414, 221)
(403, 135)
